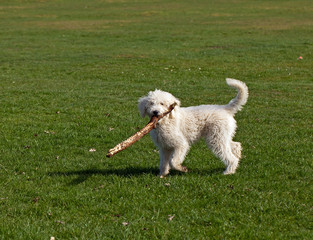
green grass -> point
(70, 76)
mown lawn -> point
(70, 76)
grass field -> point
(70, 76)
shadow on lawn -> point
(83, 175)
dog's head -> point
(156, 103)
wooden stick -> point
(138, 135)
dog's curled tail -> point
(236, 104)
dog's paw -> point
(184, 169)
(180, 168)
(231, 169)
(163, 174)
(228, 172)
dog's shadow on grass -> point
(83, 175)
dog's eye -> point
(162, 103)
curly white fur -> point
(183, 126)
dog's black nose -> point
(155, 113)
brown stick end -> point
(110, 153)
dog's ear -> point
(142, 106)
(174, 112)
(177, 102)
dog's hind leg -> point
(236, 149)
(227, 151)
(165, 156)
(231, 161)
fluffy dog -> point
(177, 131)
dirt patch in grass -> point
(78, 24)
(279, 24)
(12, 7)
(131, 56)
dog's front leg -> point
(179, 156)
(165, 156)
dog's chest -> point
(163, 136)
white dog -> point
(176, 131)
